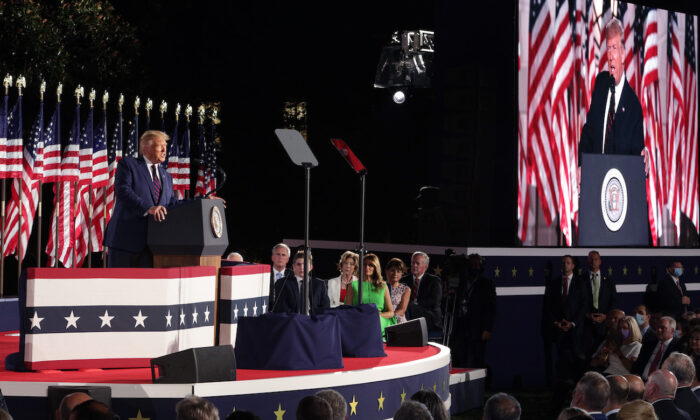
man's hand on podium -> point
(218, 198)
(578, 180)
(158, 213)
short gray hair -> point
(502, 406)
(595, 390)
(148, 136)
(282, 245)
(682, 366)
(337, 402)
(193, 407)
(671, 321)
(412, 410)
(614, 28)
(422, 254)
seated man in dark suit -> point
(682, 366)
(279, 270)
(619, 390)
(660, 390)
(426, 292)
(654, 352)
(671, 293)
(591, 394)
(289, 291)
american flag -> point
(593, 44)
(563, 60)
(626, 12)
(201, 184)
(62, 246)
(172, 161)
(184, 162)
(52, 147)
(653, 139)
(675, 121)
(4, 114)
(540, 145)
(83, 217)
(132, 142)
(115, 154)
(603, 19)
(92, 317)
(100, 176)
(11, 161)
(689, 165)
(29, 184)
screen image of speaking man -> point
(614, 120)
(143, 189)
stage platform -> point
(373, 387)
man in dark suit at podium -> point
(143, 189)
(614, 121)
(289, 290)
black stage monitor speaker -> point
(55, 394)
(413, 333)
(202, 364)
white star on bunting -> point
(168, 319)
(71, 320)
(194, 316)
(245, 310)
(182, 317)
(36, 321)
(106, 320)
(235, 312)
(139, 320)
(206, 314)
(255, 309)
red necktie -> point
(657, 359)
(156, 183)
(414, 291)
(565, 290)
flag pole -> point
(7, 82)
(21, 82)
(90, 198)
(78, 93)
(188, 114)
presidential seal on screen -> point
(217, 224)
(613, 199)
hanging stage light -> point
(399, 97)
(406, 62)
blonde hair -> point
(637, 410)
(148, 136)
(376, 278)
(345, 256)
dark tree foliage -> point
(72, 41)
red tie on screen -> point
(657, 359)
(156, 183)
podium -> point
(613, 202)
(192, 234)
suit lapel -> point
(143, 167)
(163, 182)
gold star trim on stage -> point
(381, 401)
(496, 272)
(531, 272)
(609, 271)
(443, 385)
(403, 395)
(139, 417)
(624, 270)
(435, 387)
(437, 271)
(639, 271)
(421, 387)
(696, 270)
(514, 271)
(279, 413)
(353, 406)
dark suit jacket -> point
(612, 416)
(667, 410)
(628, 137)
(646, 352)
(598, 416)
(688, 402)
(134, 192)
(607, 295)
(554, 309)
(273, 281)
(476, 308)
(287, 292)
(429, 295)
(669, 297)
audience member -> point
(433, 402)
(68, 403)
(193, 407)
(611, 342)
(694, 349)
(235, 257)
(4, 414)
(338, 286)
(399, 292)
(501, 406)
(601, 296)
(312, 407)
(242, 415)
(671, 292)
(573, 413)
(619, 390)
(654, 352)
(682, 366)
(660, 390)
(290, 290)
(337, 402)
(280, 258)
(374, 290)
(636, 385)
(637, 410)
(475, 313)
(591, 394)
(641, 315)
(624, 350)
(412, 410)
(93, 410)
(426, 292)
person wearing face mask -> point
(628, 343)
(671, 292)
(642, 316)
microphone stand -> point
(363, 175)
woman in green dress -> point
(374, 290)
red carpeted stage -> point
(373, 387)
